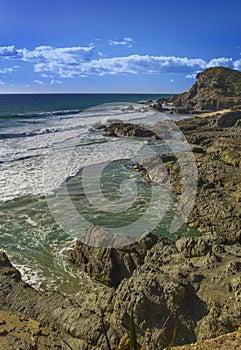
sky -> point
(128, 46)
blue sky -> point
(115, 46)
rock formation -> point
(216, 88)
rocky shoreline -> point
(193, 284)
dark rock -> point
(130, 130)
(109, 265)
(157, 106)
(189, 287)
(6, 268)
(228, 119)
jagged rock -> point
(158, 106)
(6, 268)
(217, 153)
(228, 119)
(109, 265)
(172, 287)
(187, 288)
(128, 129)
(192, 247)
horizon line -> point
(78, 93)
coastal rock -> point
(109, 265)
(76, 320)
(20, 332)
(7, 269)
(217, 155)
(192, 247)
(184, 284)
(216, 88)
(228, 119)
(223, 342)
(179, 288)
(128, 129)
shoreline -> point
(191, 276)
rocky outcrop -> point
(215, 88)
(187, 281)
(75, 320)
(20, 332)
(109, 265)
(223, 342)
(217, 208)
(128, 129)
(228, 119)
(192, 284)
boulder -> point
(130, 130)
(228, 119)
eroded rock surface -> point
(109, 265)
(215, 88)
(193, 284)
(217, 156)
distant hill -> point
(215, 88)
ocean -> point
(47, 143)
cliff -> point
(216, 88)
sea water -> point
(47, 141)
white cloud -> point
(40, 82)
(45, 76)
(171, 80)
(191, 76)
(2, 82)
(8, 51)
(125, 41)
(8, 70)
(133, 64)
(222, 61)
(70, 55)
(237, 64)
(77, 61)
(54, 81)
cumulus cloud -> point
(68, 55)
(133, 64)
(9, 52)
(46, 76)
(127, 41)
(191, 76)
(69, 62)
(54, 81)
(8, 70)
(222, 61)
(237, 64)
(40, 82)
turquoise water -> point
(46, 143)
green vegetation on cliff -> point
(224, 80)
